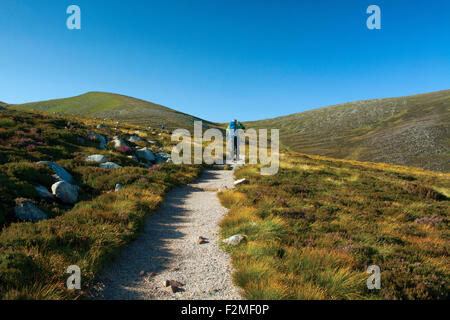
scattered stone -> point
(163, 157)
(43, 192)
(173, 285)
(118, 187)
(99, 158)
(119, 143)
(66, 192)
(240, 181)
(234, 240)
(146, 154)
(110, 165)
(60, 173)
(101, 126)
(27, 211)
(202, 240)
(99, 137)
(134, 138)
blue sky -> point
(225, 59)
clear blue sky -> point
(222, 59)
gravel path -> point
(167, 249)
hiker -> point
(162, 127)
(233, 135)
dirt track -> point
(167, 249)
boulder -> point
(234, 240)
(119, 143)
(66, 192)
(60, 173)
(118, 187)
(151, 141)
(99, 158)
(3, 109)
(163, 157)
(43, 192)
(99, 137)
(134, 138)
(101, 126)
(146, 154)
(240, 181)
(27, 211)
(110, 165)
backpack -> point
(233, 125)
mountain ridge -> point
(410, 130)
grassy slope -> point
(116, 107)
(313, 228)
(34, 256)
(412, 130)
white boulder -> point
(110, 165)
(99, 158)
(234, 240)
(66, 192)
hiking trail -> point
(168, 249)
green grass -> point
(117, 107)
(411, 130)
(34, 256)
(314, 228)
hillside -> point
(71, 192)
(116, 107)
(312, 230)
(412, 130)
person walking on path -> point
(233, 135)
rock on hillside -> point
(65, 192)
(110, 165)
(99, 158)
(27, 211)
(146, 154)
(60, 173)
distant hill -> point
(412, 130)
(117, 107)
